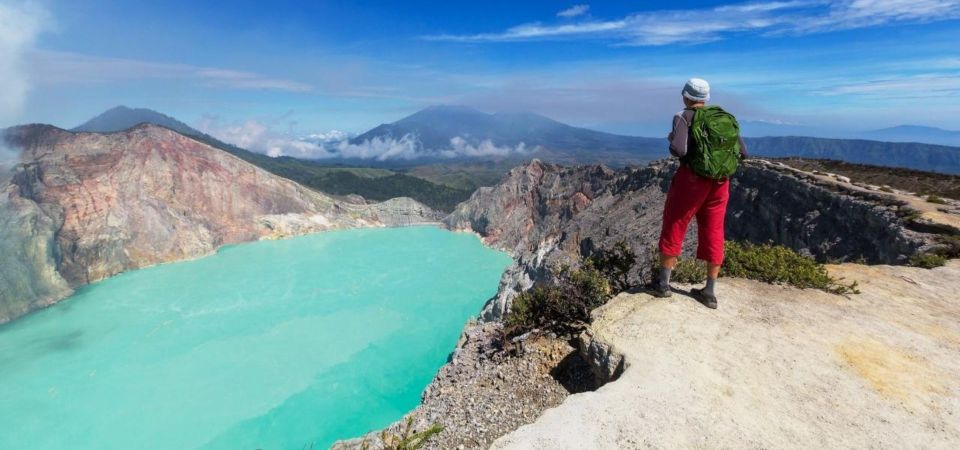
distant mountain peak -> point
(122, 117)
(447, 131)
(909, 127)
(450, 107)
(916, 133)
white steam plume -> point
(20, 24)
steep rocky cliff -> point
(84, 206)
(546, 215)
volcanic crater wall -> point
(545, 215)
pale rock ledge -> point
(774, 367)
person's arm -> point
(679, 136)
(743, 148)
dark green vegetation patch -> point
(768, 263)
(948, 247)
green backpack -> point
(716, 135)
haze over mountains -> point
(900, 133)
(459, 133)
(439, 128)
(917, 133)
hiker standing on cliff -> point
(707, 141)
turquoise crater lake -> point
(286, 344)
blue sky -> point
(305, 67)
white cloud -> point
(409, 147)
(20, 24)
(536, 31)
(866, 13)
(574, 11)
(247, 80)
(915, 86)
(256, 136)
(460, 147)
(710, 24)
(332, 136)
(57, 68)
(381, 149)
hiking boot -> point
(709, 300)
(658, 289)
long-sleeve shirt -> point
(680, 136)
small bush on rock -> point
(406, 439)
(767, 263)
(948, 247)
(562, 306)
(909, 214)
(936, 199)
(615, 264)
(779, 264)
(927, 260)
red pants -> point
(692, 195)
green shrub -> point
(909, 214)
(406, 439)
(779, 264)
(687, 270)
(936, 199)
(615, 264)
(562, 306)
(767, 263)
(928, 260)
(527, 307)
(948, 247)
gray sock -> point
(664, 278)
(708, 289)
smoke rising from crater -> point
(20, 24)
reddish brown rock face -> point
(149, 195)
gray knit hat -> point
(697, 89)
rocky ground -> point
(774, 367)
(484, 393)
(923, 183)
